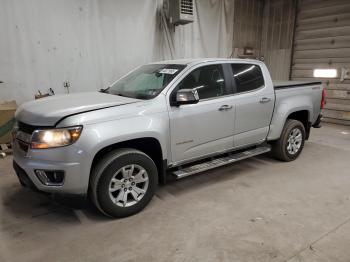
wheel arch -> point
(301, 115)
(285, 113)
(148, 145)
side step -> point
(222, 161)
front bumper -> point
(23, 177)
(70, 160)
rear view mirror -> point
(187, 96)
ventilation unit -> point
(180, 11)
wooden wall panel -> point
(313, 11)
(323, 43)
(322, 40)
(310, 4)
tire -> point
(282, 149)
(132, 172)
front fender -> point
(98, 136)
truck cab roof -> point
(195, 61)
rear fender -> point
(283, 110)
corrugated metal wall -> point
(277, 37)
(322, 40)
(267, 27)
(247, 26)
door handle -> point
(265, 100)
(225, 108)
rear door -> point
(201, 129)
(254, 102)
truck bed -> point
(291, 84)
(298, 96)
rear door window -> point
(247, 77)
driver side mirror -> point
(186, 96)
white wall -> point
(90, 43)
(211, 34)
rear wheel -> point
(291, 142)
(123, 182)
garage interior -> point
(259, 209)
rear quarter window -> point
(247, 77)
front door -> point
(201, 129)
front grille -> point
(22, 145)
(23, 140)
(29, 129)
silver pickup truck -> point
(163, 120)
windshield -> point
(145, 82)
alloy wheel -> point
(294, 141)
(128, 185)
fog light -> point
(50, 177)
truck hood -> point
(48, 111)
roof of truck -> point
(194, 61)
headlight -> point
(49, 138)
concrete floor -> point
(255, 210)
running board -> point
(222, 161)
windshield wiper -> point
(120, 94)
(104, 90)
(143, 96)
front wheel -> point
(123, 182)
(289, 146)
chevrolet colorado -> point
(166, 119)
